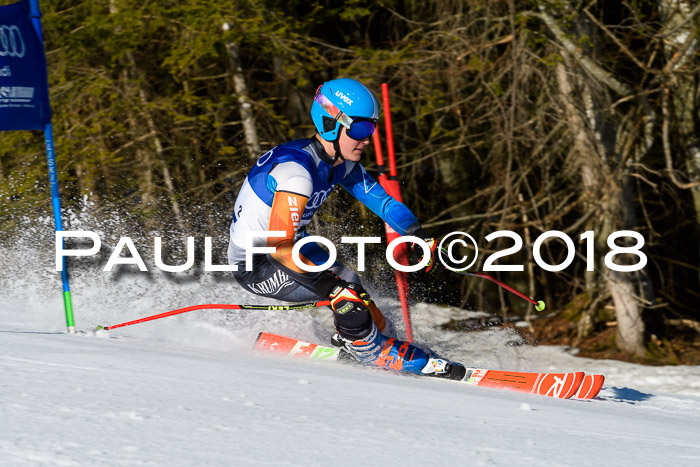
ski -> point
(590, 386)
(294, 347)
(560, 385)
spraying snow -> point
(188, 390)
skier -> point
(284, 190)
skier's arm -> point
(292, 187)
(370, 193)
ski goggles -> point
(356, 128)
(361, 128)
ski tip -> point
(257, 340)
(590, 387)
(100, 328)
(540, 306)
(579, 376)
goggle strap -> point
(332, 110)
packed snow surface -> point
(188, 390)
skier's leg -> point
(376, 349)
(357, 332)
(318, 255)
(267, 280)
(359, 337)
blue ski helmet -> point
(348, 102)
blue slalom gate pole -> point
(56, 201)
(35, 16)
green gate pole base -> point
(68, 305)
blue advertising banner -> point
(24, 90)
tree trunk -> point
(245, 108)
(167, 179)
(596, 155)
(630, 326)
(590, 171)
(680, 45)
(149, 165)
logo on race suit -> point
(368, 181)
(293, 202)
(11, 42)
(317, 198)
(6, 71)
(272, 285)
(345, 98)
(264, 158)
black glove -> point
(347, 297)
(418, 252)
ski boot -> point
(379, 350)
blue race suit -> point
(282, 192)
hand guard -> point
(418, 253)
(347, 297)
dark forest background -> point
(526, 116)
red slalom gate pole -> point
(505, 286)
(391, 185)
(389, 135)
(401, 251)
(539, 304)
(300, 306)
(379, 156)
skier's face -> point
(351, 148)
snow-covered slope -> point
(188, 391)
(81, 400)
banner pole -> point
(56, 202)
(35, 15)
